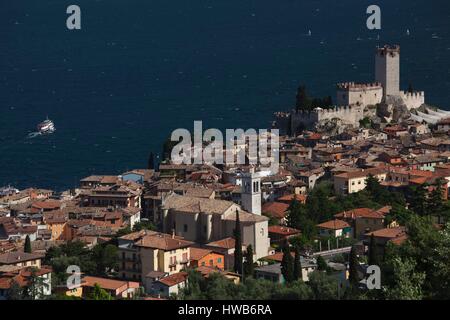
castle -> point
(353, 98)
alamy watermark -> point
(237, 147)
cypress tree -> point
(249, 266)
(321, 264)
(353, 268)
(303, 102)
(27, 246)
(238, 245)
(373, 257)
(297, 265)
(435, 201)
(287, 263)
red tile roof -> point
(174, 279)
(333, 225)
(227, 243)
(284, 231)
(108, 284)
(360, 213)
(290, 197)
(390, 233)
(198, 253)
(275, 209)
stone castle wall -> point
(362, 94)
(413, 100)
(387, 69)
(349, 115)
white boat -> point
(46, 126)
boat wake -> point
(32, 135)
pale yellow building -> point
(147, 251)
(355, 181)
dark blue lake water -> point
(140, 68)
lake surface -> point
(139, 69)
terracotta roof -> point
(198, 253)
(285, 231)
(19, 276)
(174, 279)
(162, 241)
(362, 173)
(360, 213)
(17, 256)
(290, 197)
(49, 204)
(227, 243)
(388, 233)
(108, 284)
(333, 225)
(207, 270)
(278, 257)
(275, 209)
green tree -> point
(303, 102)
(287, 263)
(193, 288)
(238, 245)
(323, 287)
(297, 290)
(15, 292)
(27, 246)
(106, 258)
(36, 285)
(147, 225)
(417, 200)
(249, 266)
(373, 254)
(99, 294)
(405, 283)
(297, 273)
(353, 268)
(435, 201)
(321, 264)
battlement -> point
(354, 86)
(413, 95)
(387, 49)
(413, 100)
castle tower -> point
(387, 69)
(251, 192)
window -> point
(211, 262)
(219, 260)
(185, 228)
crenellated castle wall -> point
(413, 100)
(362, 94)
(349, 115)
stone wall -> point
(413, 100)
(349, 115)
(387, 69)
(362, 94)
